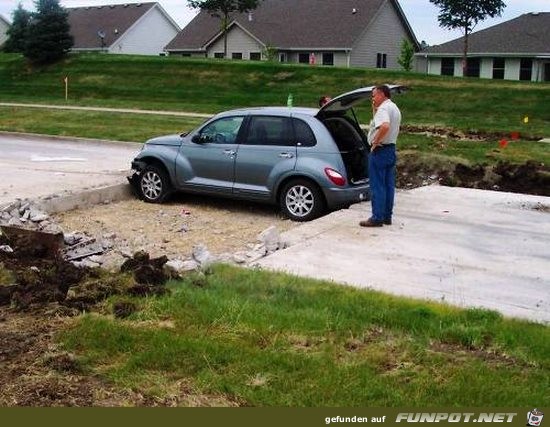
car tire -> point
(301, 200)
(154, 184)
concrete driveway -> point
(466, 247)
(35, 166)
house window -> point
(219, 55)
(282, 57)
(328, 59)
(525, 68)
(473, 66)
(381, 60)
(498, 68)
(236, 55)
(255, 56)
(185, 55)
(447, 66)
(303, 58)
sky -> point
(421, 14)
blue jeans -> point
(382, 181)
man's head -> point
(323, 100)
(380, 94)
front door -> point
(267, 151)
(207, 163)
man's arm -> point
(381, 133)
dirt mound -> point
(471, 135)
(527, 178)
(39, 292)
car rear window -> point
(303, 133)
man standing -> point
(382, 158)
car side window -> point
(222, 131)
(304, 135)
(270, 130)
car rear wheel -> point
(154, 184)
(302, 200)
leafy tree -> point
(465, 15)
(17, 33)
(221, 9)
(270, 53)
(406, 56)
(49, 33)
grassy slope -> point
(212, 86)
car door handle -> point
(286, 155)
(229, 152)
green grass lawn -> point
(207, 86)
(266, 339)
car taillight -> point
(335, 177)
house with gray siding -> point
(518, 49)
(131, 28)
(346, 33)
(4, 25)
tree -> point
(49, 33)
(17, 33)
(406, 56)
(270, 53)
(221, 9)
(465, 15)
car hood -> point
(350, 99)
(165, 140)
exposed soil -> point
(528, 178)
(40, 295)
(464, 135)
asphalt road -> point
(34, 166)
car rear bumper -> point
(340, 197)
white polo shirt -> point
(388, 112)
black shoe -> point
(387, 221)
(370, 223)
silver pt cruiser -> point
(305, 160)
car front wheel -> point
(154, 184)
(302, 200)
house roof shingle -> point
(526, 34)
(290, 24)
(112, 20)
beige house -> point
(4, 25)
(346, 33)
(518, 49)
(131, 28)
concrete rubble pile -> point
(102, 251)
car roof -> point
(279, 111)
